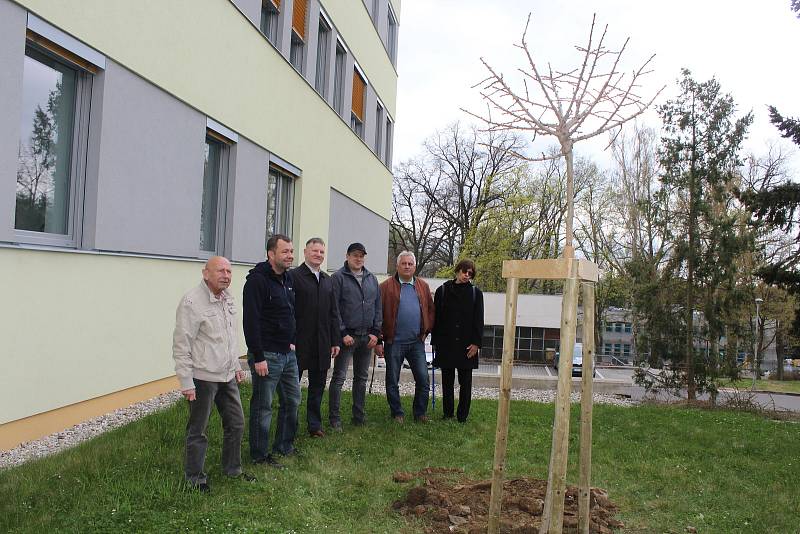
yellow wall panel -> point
(83, 325)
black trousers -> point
(464, 393)
(316, 387)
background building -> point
(138, 139)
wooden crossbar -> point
(559, 269)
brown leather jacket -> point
(390, 299)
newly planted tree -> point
(572, 105)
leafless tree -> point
(571, 105)
(445, 193)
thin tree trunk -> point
(690, 266)
(779, 348)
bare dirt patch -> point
(447, 502)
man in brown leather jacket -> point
(407, 320)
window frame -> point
(321, 76)
(379, 125)
(223, 181)
(282, 176)
(357, 124)
(389, 135)
(339, 77)
(270, 21)
(391, 35)
(36, 45)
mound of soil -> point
(446, 502)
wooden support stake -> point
(553, 516)
(501, 436)
(586, 409)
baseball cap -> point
(356, 246)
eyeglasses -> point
(471, 274)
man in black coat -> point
(456, 337)
(317, 328)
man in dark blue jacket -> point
(355, 290)
(269, 331)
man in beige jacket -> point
(206, 350)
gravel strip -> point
(86, 430)
(94, 427)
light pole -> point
(759, 300)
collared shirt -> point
(205, 344)
(313, 270)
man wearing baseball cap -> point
(356, 292)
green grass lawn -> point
(667, 468)
(782, 386)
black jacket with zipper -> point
(268, 305)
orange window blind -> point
(299, 18)
(359, 85)
(276, 3)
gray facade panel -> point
(251, 9)
(150, 169)
(247, 203)
(349, 222)
(12, 53)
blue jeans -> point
(284, 378)
(414, 353)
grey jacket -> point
(359, 306)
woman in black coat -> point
(457, 335)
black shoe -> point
(247, 477)
(358, 422)
(203, 487)
(336, 427)
(270, 461)
(445, 417)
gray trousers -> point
(229, 405)
(359, 353)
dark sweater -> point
(268, 303)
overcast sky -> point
(750, 47)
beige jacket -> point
(205, 343)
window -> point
(297, 51)
(52, 148)
(338, 79)
(609, 327)
(378, 128)
(607, 349)
(376, 9)
(617, 349)
(269, 20)
(323, 44)
(280, 203)
(628, 328)
(357, 109)
(391, 38)
(626, 350)
(617, 327)
(389, 135)
(212, 211)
